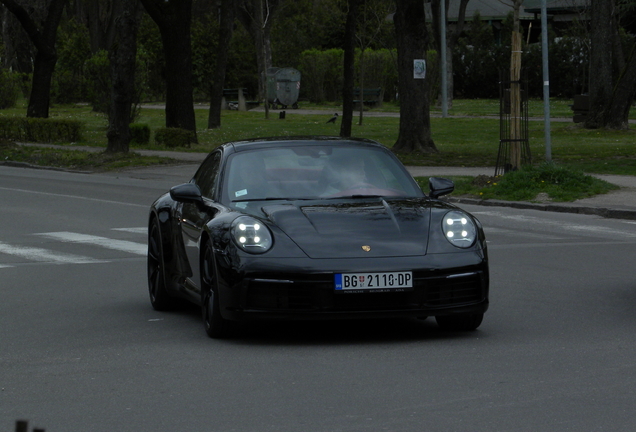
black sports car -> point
(313, 228)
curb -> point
(605, 212)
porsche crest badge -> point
(366, 248)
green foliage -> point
(69, 79)
(151, 62)
(380, 70)
(40, 130)
(9, 88)
(313, 24)
(477, 61)
(75, 159)
(321, 74)
(98, 75)
(554, 182)
(139, 133)
(174, 137)
(204, 48)
(241, 63)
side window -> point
(207, 176)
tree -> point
(174, 19)
(611, 96)
(257, 16)
(18, 50)
(100, 16)
(122, 57)
(601, 61)
(348, 67)
(374, 14)
(225, 36)
(617, 116)
(43, 36)
(412, 39)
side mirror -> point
(187, 193)
(440, 186)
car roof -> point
(270, 142)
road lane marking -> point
(120, 245)
(45, 255)
(137, 230)
(73, 196)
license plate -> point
(374, 281)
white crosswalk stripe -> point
(120, 245)
(51, 256)
(44, 255)
(136, 230)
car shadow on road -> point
(331, 332)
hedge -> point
(174, 137)
(40, 130)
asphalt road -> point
(81, 349)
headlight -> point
(459, 229)
(251, 235)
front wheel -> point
(159, 297)
(459, 322)
(215, 325)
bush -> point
(139, 133)
(9, 88)
(174, 137)
(40, 130)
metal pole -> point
(443, 57)
(546, 81)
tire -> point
(459, 322)
(215, 325)
(159, 297)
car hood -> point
(364, 228)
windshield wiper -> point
(355, 196)
(273, 199)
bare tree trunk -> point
(174, 19)
(122, 56)
(18, 49)
(249, 14)
(43, 38)
(225, 36)
(349, 56)
(617, 116)
(100, 16)
(361, 80)
(601, 61)
(412, 39)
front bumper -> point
(298, 289)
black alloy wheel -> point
(215, 325)
(459, 322)
(159, 297)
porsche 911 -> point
(315, 228)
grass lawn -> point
(468, 137)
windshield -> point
(316, 172)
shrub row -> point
(139, 133)
(174, 137)
(40, 130)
